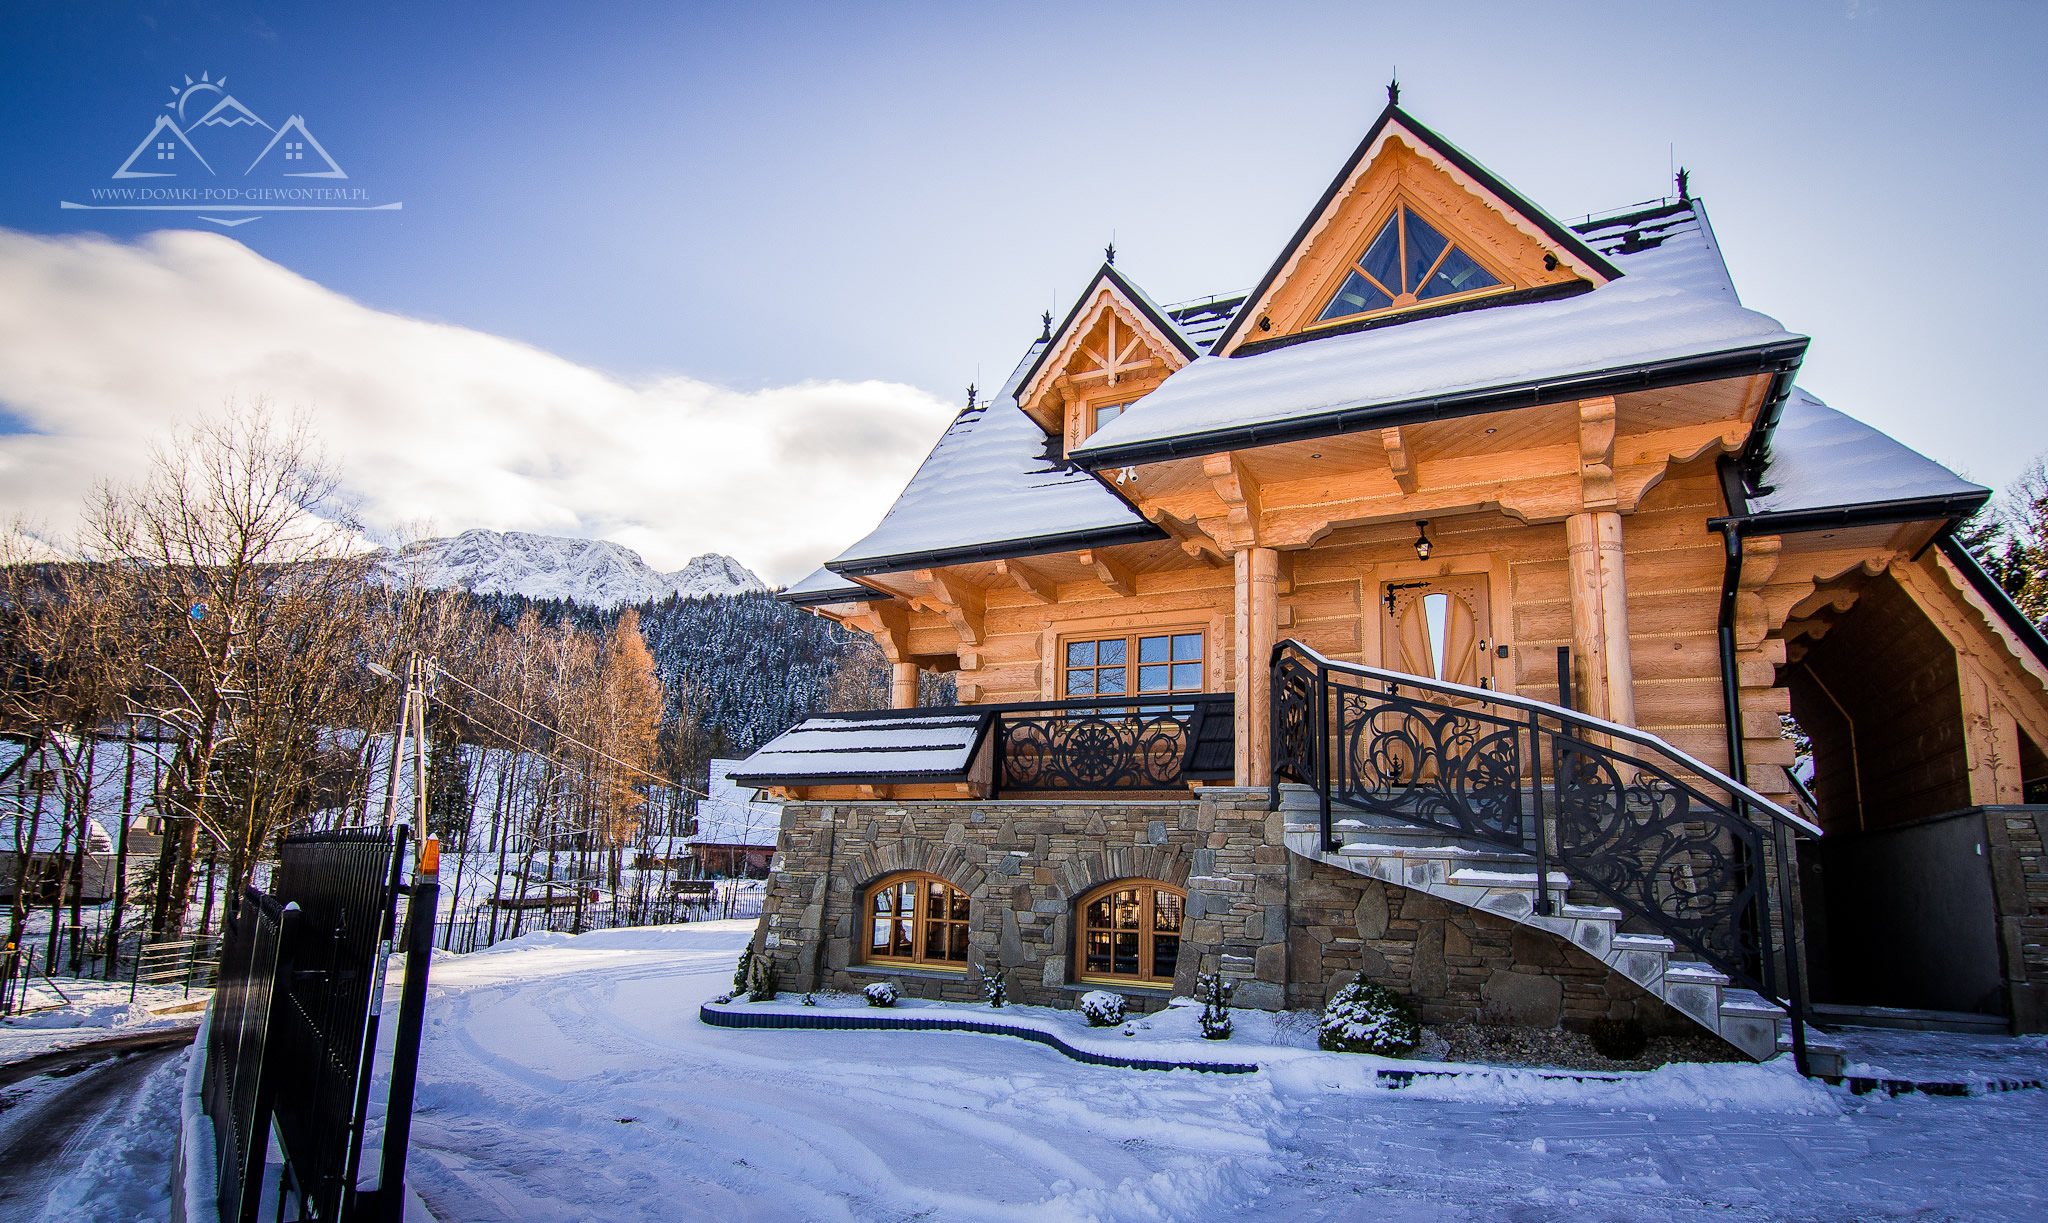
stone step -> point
(1644, 942)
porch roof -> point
(1822, 460)
(824, 586)
(881, 746)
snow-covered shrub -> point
(1214, 993)
(1103, 1009)
(1620, 1039)
(1367, 1018)
(881, 993)
(761, 987)
(810, 1000)
(994, 989)
(742, 975)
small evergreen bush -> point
(1367, 1018)
(1213, 992)
(994, 989)
(742, 975)
(1103, 1009)
(1623, 1040)
(881, 993)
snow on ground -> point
(124, 1175)
(97, 1010)
(569, 1078)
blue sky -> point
(760, 197)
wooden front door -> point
(1438, 627)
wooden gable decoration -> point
(1410, 209)
(1113, 347)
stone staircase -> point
(1494, 880)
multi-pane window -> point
(918, 918)
(1141, 663)
(1408, 262)
(1131, 931)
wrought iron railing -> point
(1114, 743)
(1702, 858)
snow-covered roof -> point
(731, 815)
(824, 586)
(1672, 304)
(1823, 459)
(53, 832)
(988, 489)
(881, 746)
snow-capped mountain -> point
(593, 572)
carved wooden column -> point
(1258, 624)
(903, 686)
(1606, 675)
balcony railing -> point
(1114, 743)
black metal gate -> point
(294, 1028)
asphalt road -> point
(52, 1106)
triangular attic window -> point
(1408, 262)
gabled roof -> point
(1672, 318)
(1828, 468)
(823, 586)
(1161, 320)
(730, 815)
(1396, 120)
(990, 490)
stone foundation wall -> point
(1451, 963)
(1290, 931)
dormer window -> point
(1104, 413)
(1407, 262)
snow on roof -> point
(1634, 320)
(1673, 242)
(988, 483)
(1202, 319)
(870, 746)
(730, 815)
(53, 832)
(1822, 459)
(824, 586)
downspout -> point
(1731, 693)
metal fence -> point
(295, 1027)
(482, 926)
(193, 963)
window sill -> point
(930, 971)
(1148, 989)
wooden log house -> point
(1431, 613)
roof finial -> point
(1045, 320)
(1109, 253)
(1684, 185)
(1394, 92)
(970, 394)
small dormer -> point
(1114, 347)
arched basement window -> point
(1130, 932)
(915, 918)
(1407, 262)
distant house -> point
(735, 827)
(49, 859)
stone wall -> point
(1451, 963)
(1289, 930)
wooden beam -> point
(1109, 572)
(1398, 461)
(1188, 533)
(1030, 581)
(1241, 494)
(888, 622)
(1596, 452)
(961, 604)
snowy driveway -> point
(570, 1079)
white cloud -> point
(104, 346)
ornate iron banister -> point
(1659, 833)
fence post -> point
(424, 899)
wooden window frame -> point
(919, 957)
(1147, 890)
(1130, 636)
(1355, 259)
